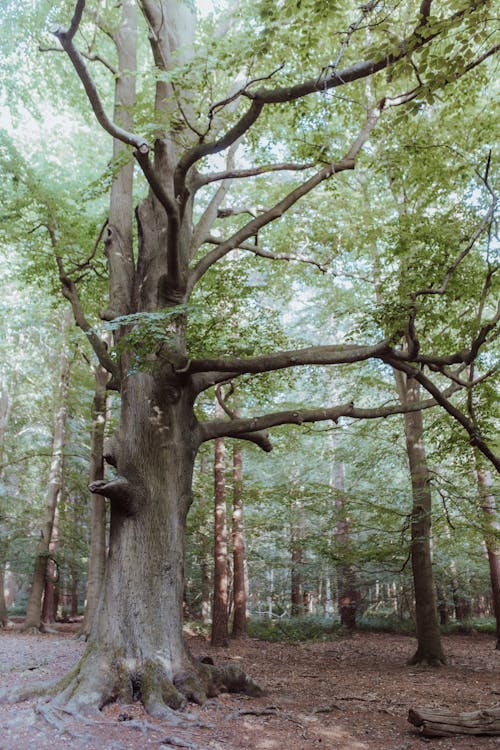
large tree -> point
(199, 110)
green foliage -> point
(295, 629)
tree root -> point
(100, 678)
(426, 660)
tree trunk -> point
(296, 553)
(348, 595)
(239, 578)
(135, 648)
(487, 501)
(50, 595)
(429, 648)
(34, 607)
(4, 618)
(97, 554)
(5, 410)
(221, 582)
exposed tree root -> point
(100, 678)
(420, 658)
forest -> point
(249, 372)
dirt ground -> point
(347, 694)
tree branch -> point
(235, 174)
(70, 291)
(236, 427)
(334, 79)
(315, 355)
(442, 399)
(65, 37)
(257, 250)
(252, 227)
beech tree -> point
(200, 109)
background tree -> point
(185, 236)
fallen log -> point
(440, 723)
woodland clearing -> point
(347, 694)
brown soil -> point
(346, 694)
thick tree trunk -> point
(34, 607)
(221, 583)
(487, 501)
(135, 648)
(429, 648)
(97, 554)
(239, 586)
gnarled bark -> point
(441, 723)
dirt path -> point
(349, 694)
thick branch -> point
(237, 427)
(118, 490)
(314, 355)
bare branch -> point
(252, 227)
(486, 221)
(99, 346)
(252, 172)
(256, 250)
(65, 37)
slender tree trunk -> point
(487, 501)
(429, 648)
(50, 595)
(97, 554)
(221, 581)
(296, 592)
(34, 607)
(348, 594)
(239, 578)
(5, 410)
(4, 618)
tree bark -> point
(220, 598)
(348, 596)
(97, 553)
(5, 410)
(296, 553)
(34, 607)
(487, 501)
(51, 591)
(239, 586)
(429, 648)
(442, 723)
(4, 618)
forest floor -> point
(344, 694)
